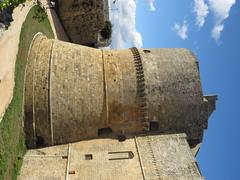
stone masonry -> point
(165, 157)
(134, 113)
(75, 93)
(83, 20)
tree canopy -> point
(106, 32)
(10, 3)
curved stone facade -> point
(75, 92)
(83, 20)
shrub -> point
(10, 3)
(6, 9)
(106, 32)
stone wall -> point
(83, 19)
(77, 93)
(156, 157)
(167, 157)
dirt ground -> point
(8, 52)
(9, 49)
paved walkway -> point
(8, 52)
(9, 49)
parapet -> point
(74, 93)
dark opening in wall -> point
(121, 155)
(121, 138)
(88, 156)
(146, 51)
(104, 131)
(71, 172)
(40, 141)
(154, 126)
(64, 157)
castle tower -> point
(83, 20)
(135, 113)
(74, 93)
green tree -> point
(106, 32)
(10, 3)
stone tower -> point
(83, 20)
(139, 113)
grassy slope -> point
(12, 143)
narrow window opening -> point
(71, 172)
(154, 126)
(64, 157)
(104, 131)
(88, 156)
(121, 138)
(120, 155)
(40, 141)
(146, 51)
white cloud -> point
(137, 40)
(181, 30)
(124, 25)
(201, 10)
(151, 5)
(216, 31)
(221, 10)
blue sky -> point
(211, 29)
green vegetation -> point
(106, 32)
(39, 14)
(12, 142)
(10, 4)
(6, 10)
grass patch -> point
(12, 142)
